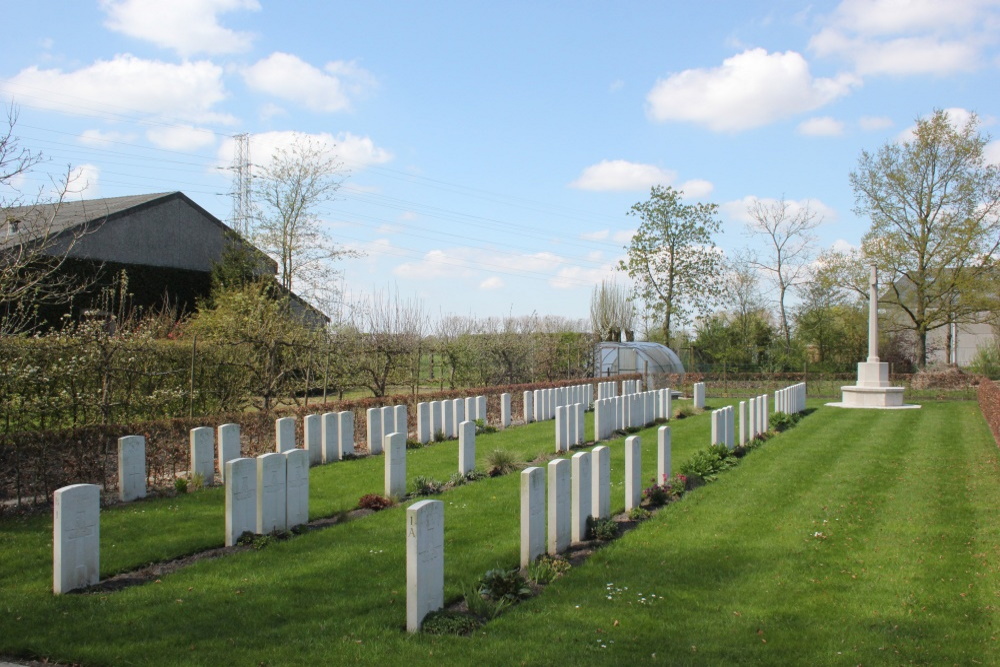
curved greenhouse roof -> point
(643, 357)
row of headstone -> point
(541, 404)
(383, 421)
(569, 426)
(631, 387)
(724, 427)
(606, 390)
(698, 395)
(629, 411)
(327, 437)
(579, 488)
(443, 418)
(753, 418)
(267, 494)
(202, 450)
(790, 400)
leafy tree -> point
(672, 258)
(934, 205)
(611, 312)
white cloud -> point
(125, 84)
(900, 56)
(623, 236)
(186, 26)
(83, 182)
(325, 90)
(599, 235)
(577, 277)
(992, 153)
(907, 37)
(493, 282)
(875, 122)
(103, 138)
(821, 126)
(840, 245)
(748, 90)
(355, 152)
(180, 137)
(622, 175)
(737, 210)
(695, 189)
(464, 262)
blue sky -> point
(494, 149)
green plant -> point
(704, 464)
(439, 436)
(986, 361)
(602, 529)
(414, 444)
(475, 475)
(547, 568)
(482, 606)
(499, 583)
(445, 622)
(685, 411)
(197, 482)
(457, 479)
(661, 494)
(426, 486)
(781, 421)
(181, 485)
(373, 501)
(639, 514)
(482, 427)
(501, 462)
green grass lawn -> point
(858, 537)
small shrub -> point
(426, 486)
(197, 482)
(602, 529)
(483, 606)
(444, 622)
(685, 411)
(246, 538)
(475, 475)
(258, 542)
(414, 444)
(639, 514)
(373, 501)
(704, 464)
(439, 436)
(632, 429)
(456, 479)
(482, 427)
(668, 490)
(498, 584)
(781, 421)
(547, 568)
(501, 462)
(181, 485)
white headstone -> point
(601, 488)
(633, 472)
(437, 421)
(345, 432)
(582, 504)
(730, 417)
(539, 405)
(296, 487)
(241, 498)
(562, 430)
(504, 410)
(284, 434)
(313, 436)
(470, 409)
(481, 409)
(270, 493)
(76, 537)
(131, 467)
(559, 532)
(466, 447)
(662, 454)
(424, 561)
(228, 436)
(532, 515)
(458, 415)
(402, 421)
(395, 465)
(699, 395)
(329, 436)
(374, 443)
(423, 423)
(448, 419)
(529, 413)
(202, 454)
(743, 423)
(387, 414)
(581, 423)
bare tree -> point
(288, 190)
(787, 229)
(611, 311)
(390, 330)
(33, 248)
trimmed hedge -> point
(988, 395)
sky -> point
(492, 151)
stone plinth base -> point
(879, 398)
(874, 374)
